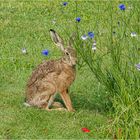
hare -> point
(52, 77)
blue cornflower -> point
(45, 52)
(122, 7)
(91, 34)
(78, 19)
(65, 3)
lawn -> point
(106, 110)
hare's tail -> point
(26, 104)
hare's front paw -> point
(72, 110)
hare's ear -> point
(72, 38)
(57, 39)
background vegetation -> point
(105, 93)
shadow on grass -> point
(83, 102)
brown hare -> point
(52, 77)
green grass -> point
(100, 105)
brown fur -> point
(51, 77)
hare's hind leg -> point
(46, 101)
(45, 98)
(57, 105)
(54, 105)
(40, 100)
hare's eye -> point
(67, 53)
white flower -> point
(94, 46)
(138, 66)
(24, 51)
(133, 34)
(84, 37)
(130, 7)
(54, 21)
